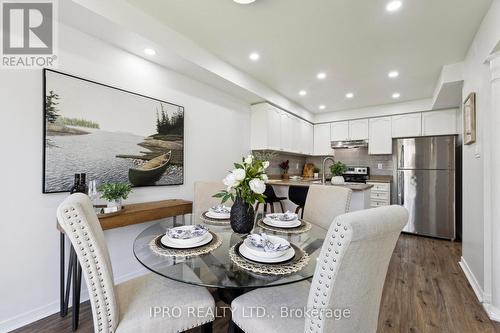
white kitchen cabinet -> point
(407, 125)
(322, 145)
(306, 138)
(339, 131)
(380, 140)
(380, 194)
(297, 133)
(439, 122)
(265, 129)
(286, 132)
(358, 129)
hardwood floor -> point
(425, 291)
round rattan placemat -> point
(304, 227)
(158, 248)
(209, 220)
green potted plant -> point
(337, 169)
(316, 172)
(114, 193)
(245, 186)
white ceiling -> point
(355, 42)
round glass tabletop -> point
(216, 268)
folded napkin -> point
(283, 217)
(221, 209)
(263, 242)
(185, 233)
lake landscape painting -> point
(112, 135)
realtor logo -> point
(28, 34)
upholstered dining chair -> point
(345, 293)
(129, 307)
(203, 197)
(324, 203)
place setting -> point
(287, 222)
(219, 214)
(269, 255)
(188, 240)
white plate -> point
(294, 217)
(167, 241)
(288, 254)
(282, 224)
(187, 241)
(218, 216)
(260, 253)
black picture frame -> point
(44, 127)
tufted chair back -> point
(203, 197)
(79, 221)
(325, 203)
(351, 270)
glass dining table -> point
(216, 269)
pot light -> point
(396, 95)
(349, 95)
(149, 51)
(244, 2)
(254, 56)
(393, 74)
(393, 6)
(321, 76)
(302, 93)
(322, 107)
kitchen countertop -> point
(308, 182)
(380, 179)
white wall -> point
(29, 249)
(477, 167)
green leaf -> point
(238, 166)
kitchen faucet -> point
(323, 180)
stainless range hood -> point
(349, 144)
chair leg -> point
(207, 328)
(282, 208)
(233, 328)
(272, 207)
(265, 208)
(257, 207)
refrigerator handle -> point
(402, 157)
(401, 194)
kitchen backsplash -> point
(358, 157)
(296, 164)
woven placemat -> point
(158, 248)
(303, 227)
(292, 266)
(210, 220)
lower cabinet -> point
(380, 194)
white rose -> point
(265, 164)
(239, 174)
(230, 181)
(257, 186)
(264, 178)
(249, 159)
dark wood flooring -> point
(425, 292)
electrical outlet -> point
(379, 166)
(296, 166)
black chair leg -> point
(282, 208)
(207, 328)
(257, 207)
(233, 328)
(272, 207)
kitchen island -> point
(360, 192)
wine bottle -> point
(82, 187)
(76, 184)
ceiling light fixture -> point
(396, 95)
(393, 6)
(349, 95)
(322, 107)
(321, 76)
(244, 2)
(149, 51)
(393, 74)
(302, 93)
(254, 56)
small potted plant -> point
(316, 172)
(114, 193)
(338, 169)
(284, 166)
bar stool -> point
(298, 195)
(270, 199)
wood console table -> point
(129, 215)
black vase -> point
(242, 216)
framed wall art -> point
(470, 119)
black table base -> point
(72, 282)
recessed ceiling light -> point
(322, 107)
(254, 56)
(321, 76)
(349, 95)
(396, 95)
(393, 6)
(244, 2)
(302, 93)
(393, 74)
(149, 51)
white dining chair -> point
(345, 293)
(144, 304)
(325, 203)
(203, 197)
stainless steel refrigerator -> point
(425, 183)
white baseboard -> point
(31, 316)
(493, 312)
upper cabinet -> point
(407, 125)
(439, 122)
(322, 144)
(358, 129)
(380, 140)
(339, 131)
(286, 132)
(306, 138)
